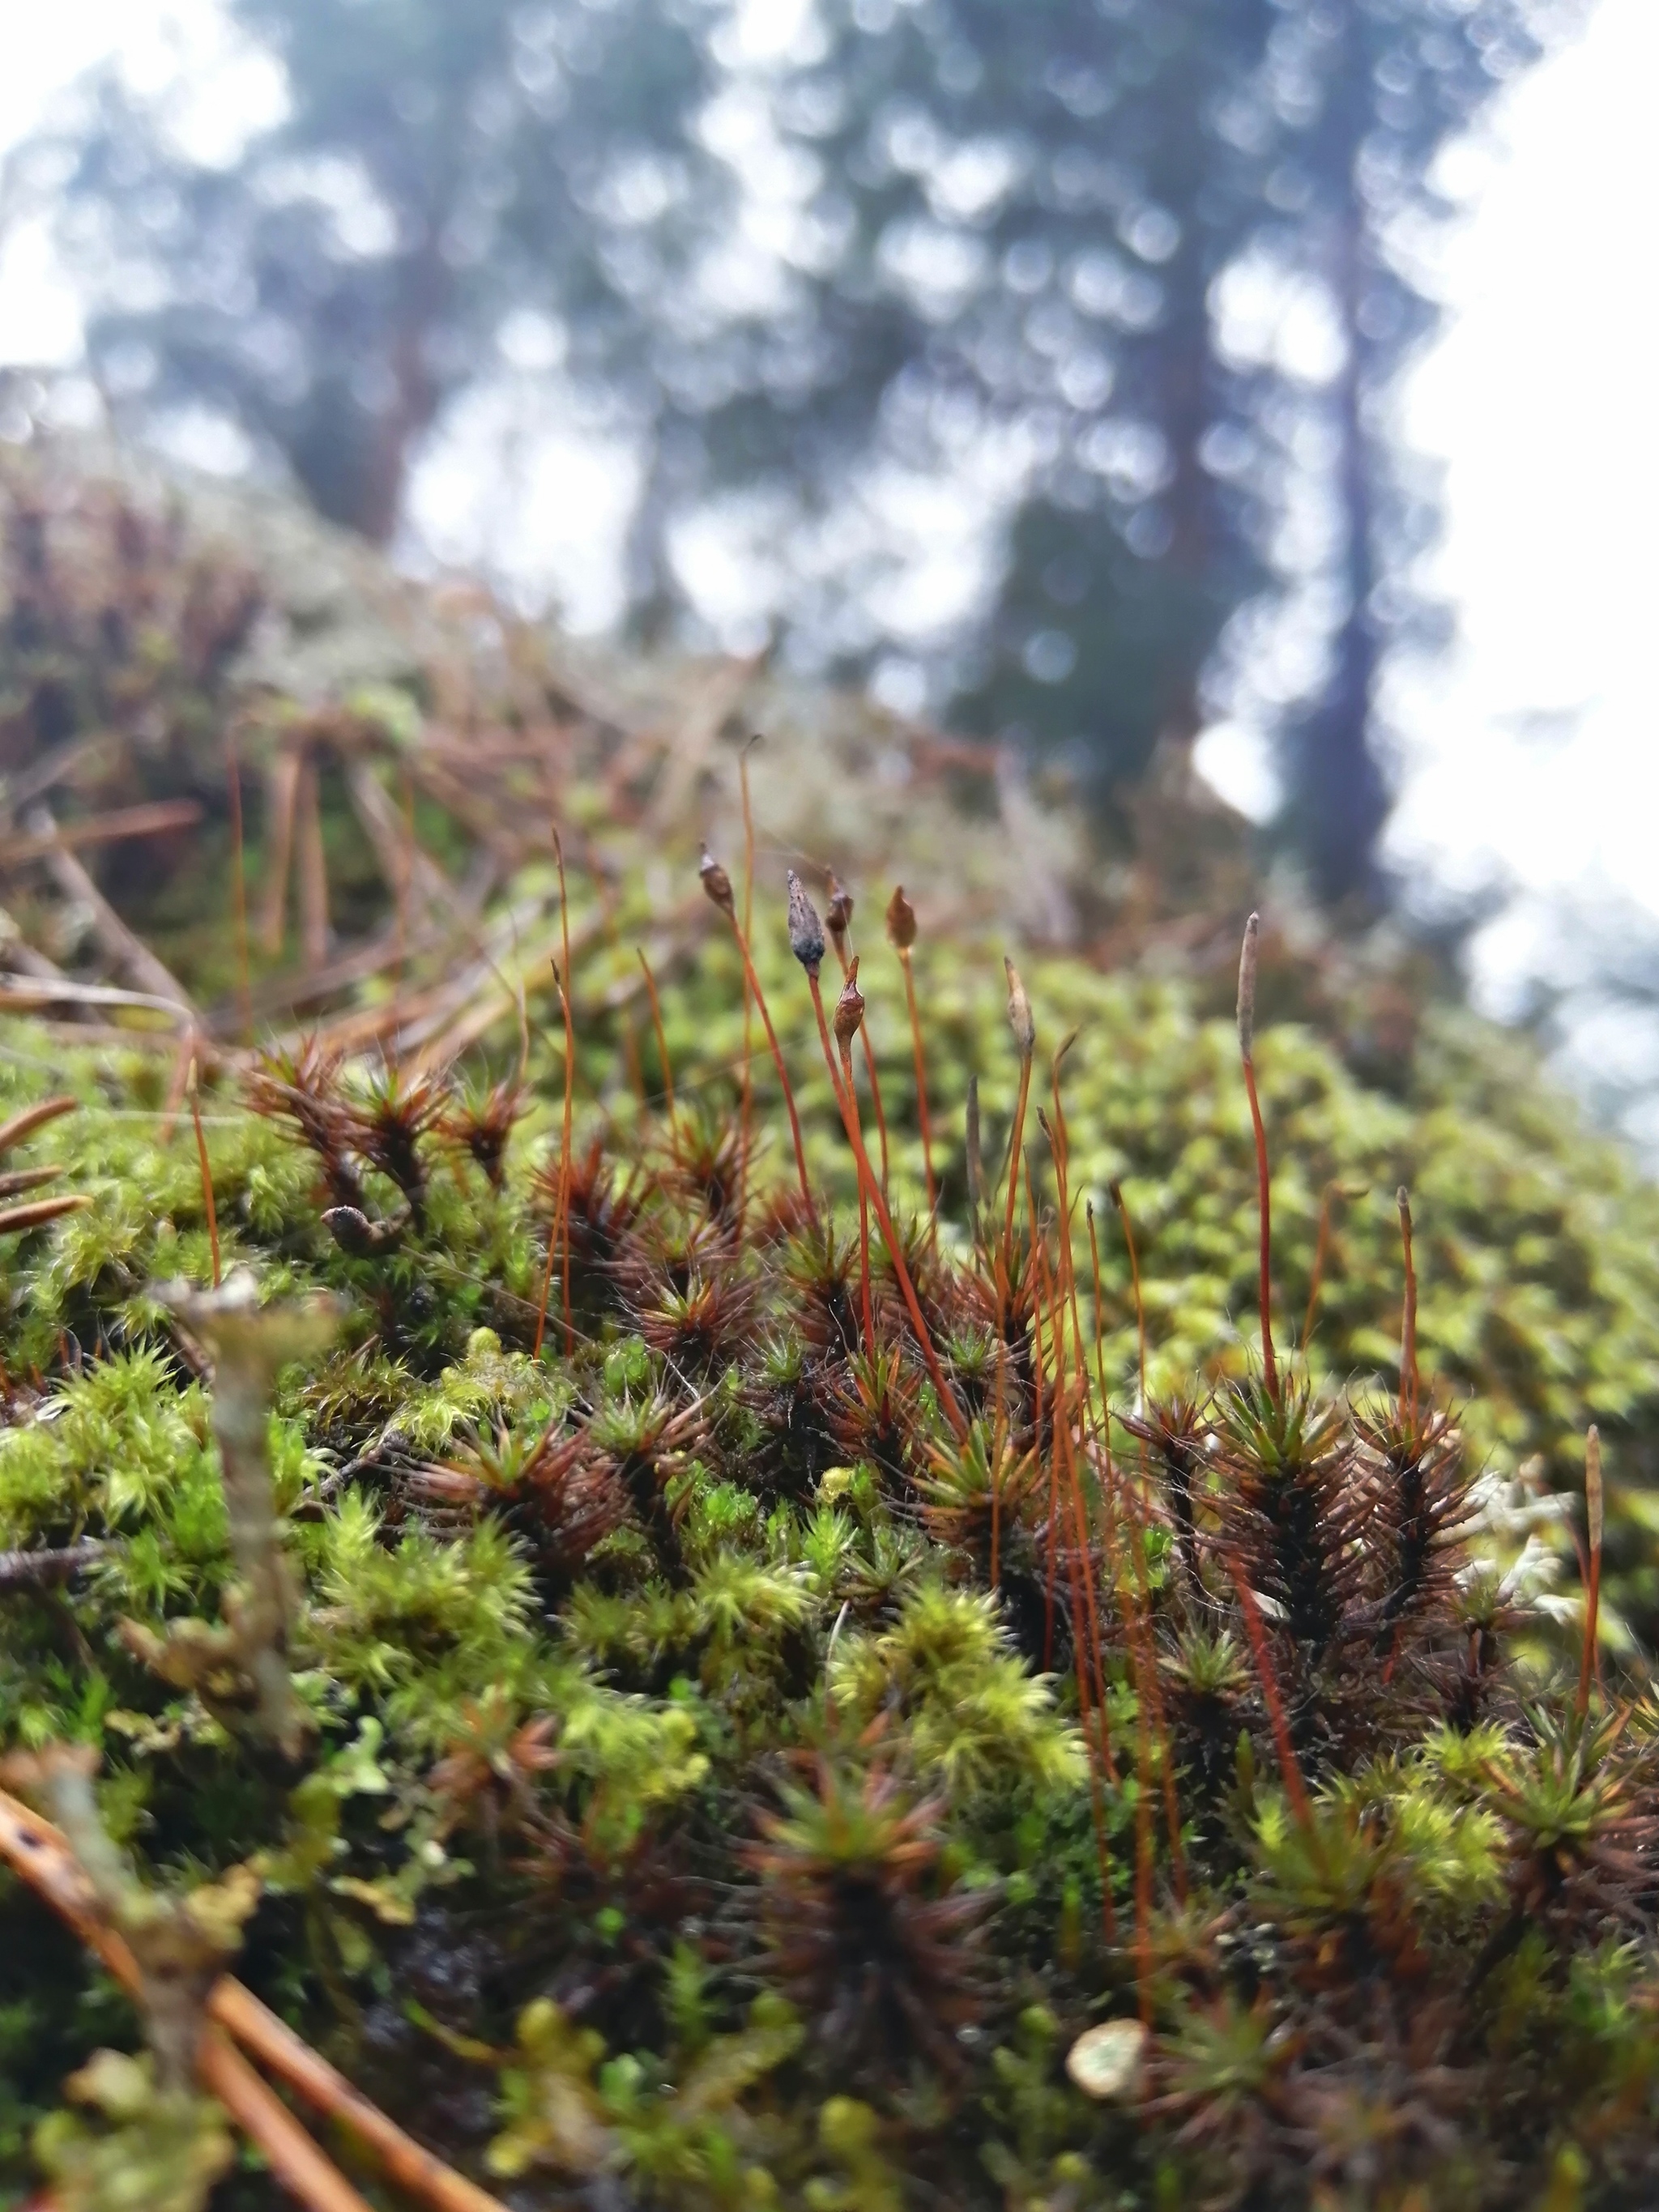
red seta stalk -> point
(1056, 1309)
(210, 1208)
(849, 1012)
(1247, 967)
(662, 1041)
(1295, 1788)
(559, 1236)
(718, 884)
(239, 887)
(1121, 1204)
(1322, 1247)
(840, 922)
(806, 942)
(1096, 1739)
(565, 1133)
(747, 1107)
(1408, 1318)
(901, 934)
(1024, 1029)
(1593, 1514)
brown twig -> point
(42, 994)
(35, 1212)
(151, 821)
(128, 950)
(258, 2029)
(40, 1569)
(25, 1124)
(16, 1181)
(294, 2159)
(40, 1854)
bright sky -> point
(1532, 753)
(1536, 750)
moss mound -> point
(672, 1723)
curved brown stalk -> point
(32, 1118)
(38, 1853)
(35, 1212)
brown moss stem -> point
(746, 1109)
(1594, 1510)
(1247, 974)
(664, 1061)
(207, 1206)
(1122, 1205)
(239, 887)
(902, 933)
(947, 1397)
(1408, 1316)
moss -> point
(743, 1758)
(582, 1757)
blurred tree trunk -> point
(1340, 796)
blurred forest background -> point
(1036, 367)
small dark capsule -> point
(1247, 963)
(1019, 1011)
(849, 1007)
(838, 918)
(355, 1233)
(717, 884)
(901, 922)
(805, 930)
